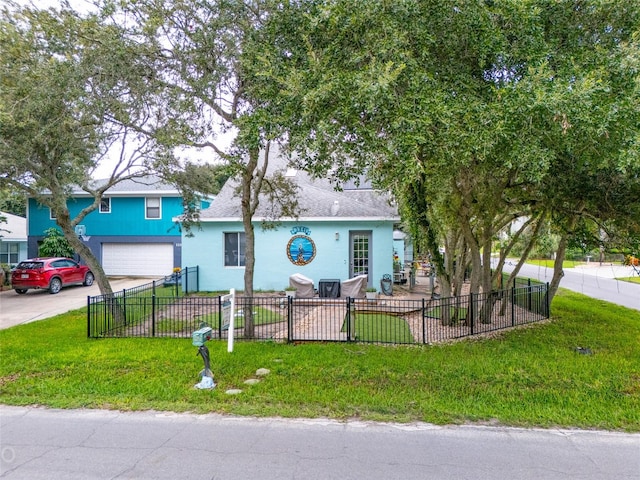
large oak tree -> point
(472, 113)
(64, 80)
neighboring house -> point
(131, 233)
(403, 247)
(337, 235)
(13, 239)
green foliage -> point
(545, 243)
(68, 97)
(13, 201)
(630, 279)
(6, 274)
(54, 244)
(472, 115)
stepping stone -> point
(233, 391)
(252, 381)
(261, 372)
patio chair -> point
(303, 285)
(354, 287)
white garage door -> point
(141, 259)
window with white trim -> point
(52, 214)
(9, 252)
(105, 205)
(152, 207)
(234, 249)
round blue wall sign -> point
(301, 250)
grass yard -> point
(261, 316)
(630, 279)
(382, 328)
(529, 377)
(455, 313)
(549, 263)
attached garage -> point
(137, 259)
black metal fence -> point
(130, 306)
(384, 320)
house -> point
(132, 232)
(13, 239)
(403, 247)
(336, 236)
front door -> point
(360, 254)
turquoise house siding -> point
(273, 266)
(127, 217)
(125, 223)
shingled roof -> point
(138, 186)
(317, 199)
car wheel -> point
(55, 285)
(21, 291)
(88, 279)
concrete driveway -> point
(40, 304)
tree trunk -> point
(526, 252)
(252, 176)
(249, 324)
(85, 253)
(558, 271)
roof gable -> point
(318, 199)
(15, 229)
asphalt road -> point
(594, 280)
(38, 443)
(40, 304)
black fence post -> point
(348, 319)
(513, 308)
(88, 316)
(289, 319)
(529, 294)
(220, 316)
(424, 322)
(124, 307)
(547, 303)
(153, 314)
(472, 307)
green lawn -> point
(382, 328)
(549, 263)
(528, 377)
(630, 279)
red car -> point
(50, 273)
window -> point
(234, 248)
(105, 205)
(9, 252)
(52, 215)
(152, 207)
(64, 263)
